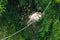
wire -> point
(17, 32)
(47, 7)
(25, 26)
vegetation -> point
(14, 16)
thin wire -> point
(47, 6)
(17, 32)
(25, 26)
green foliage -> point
(2, 5)
(15, 16)
(57, 1)
(22, 2)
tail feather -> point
(29, 22)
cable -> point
(17, 32)
(47, 7)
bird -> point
(34, 17)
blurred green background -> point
(14, 16)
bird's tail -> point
(29, 22)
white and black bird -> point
(34, 17)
